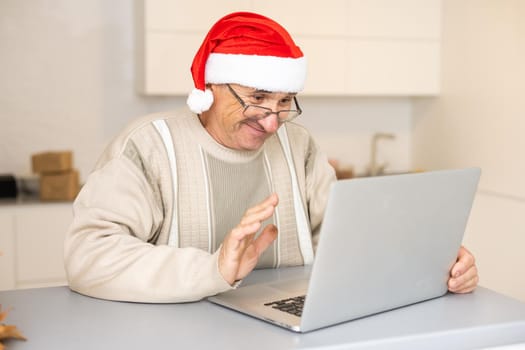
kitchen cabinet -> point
(31, 242)
(7, 251)
(403, 19)
(354, 47)
(361, 67)
(169, 34)
(177, 15)
(372, 47)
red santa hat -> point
(247, 49)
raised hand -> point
(240, 250)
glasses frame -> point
(269, 111)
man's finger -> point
(464, 287)
(257, 216)
(271, 200)
(241, 231)
(265, 239)
(464, 262)
(464, 280)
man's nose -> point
(270, 123)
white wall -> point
(67, 78)
(343, 127)
(479, 121)
(67, 71)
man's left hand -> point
(464, 274)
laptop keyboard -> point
(293, 305)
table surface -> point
(57, 318)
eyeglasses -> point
(259, 112)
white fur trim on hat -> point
(200, 101)
(271, 73)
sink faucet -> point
(374, 168)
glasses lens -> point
(286, 116)
(257, 112)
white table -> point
(57, 318)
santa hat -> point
(247, 49)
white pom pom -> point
(200, 101)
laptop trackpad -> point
(292, 286)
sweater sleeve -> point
(107, 254)
(319, 176)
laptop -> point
(385, 242)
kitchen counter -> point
(28, 200)
(57, 318)
(32, 242)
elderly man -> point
(184, 204)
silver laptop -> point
(385, 242)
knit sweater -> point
(150, 219)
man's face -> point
(227, 124)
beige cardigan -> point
(145, 221)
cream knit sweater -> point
(150, 219)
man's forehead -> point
(262, 91)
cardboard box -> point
(52, 162)
(59, 186)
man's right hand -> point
(240, 252)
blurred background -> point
(394, 86)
